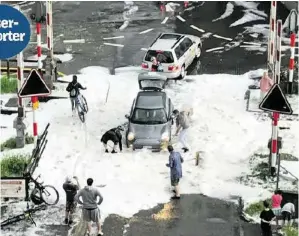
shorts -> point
(175, 181)
(105, 140)
(286, 215)
(276, 211)
(70, 206)
(91, 215)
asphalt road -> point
(94, 21)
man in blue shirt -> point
(175, 165)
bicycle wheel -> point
(81, 115)
(84, 104)
(49, 195)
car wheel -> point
(183, 73)
(198, 52)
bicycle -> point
(42, 192)
(82, 107)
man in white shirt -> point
(287, 211)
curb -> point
(79, 229)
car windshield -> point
(162, 56)
(149, 116)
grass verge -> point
(255, 208)
(9, 85)
(290, 231)
(11, 142)
(14, 165)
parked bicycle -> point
(82, 107)
(42, 193)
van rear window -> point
(162, 56)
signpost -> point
(33, 87)
(276, 102)
(14, 187)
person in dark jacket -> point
(266, 216)
(175, 165)
(73, 89)
(115, 136)
(71, 190)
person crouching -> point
(115, 136)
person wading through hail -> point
(265, 85)
(287, 212)
(267, 216)
(73, 89)
(90, 211)
(71, 190)
(182, 123)
(175, 165)
(115, 136)
(276, 204)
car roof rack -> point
(156, 39)
(179, 39)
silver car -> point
(150, 119)
(175, 52)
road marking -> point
(116, 37)
(143, 49)
(114, 45)
(74, 41)
(249, 46)
(214, 49)
(220, 37)
(258, 44)
(196, 28)
(146, 31)
(180, 18)
(165, 20)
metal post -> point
(18, 122)
(278, 50)
(292, 63)
(274, 143)
(271, 44)
(278, 171)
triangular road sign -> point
(275, 101)
(33, 86)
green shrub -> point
(9, 85)
(290, 231)
(14, 165)
(11, 142)
(255, 208)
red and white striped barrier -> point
(34, 100)
(278, 51)
(39, 45)
(292, 57)
(49, 27)
(272, 33)
(274, 143)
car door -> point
(181, 52)
(189, 50)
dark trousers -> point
(266, 231)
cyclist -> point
(73, 88)
(113, 135)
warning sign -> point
(13, 188)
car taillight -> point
(144, 65)
(173, 68)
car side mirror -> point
(127, 116)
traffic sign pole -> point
(274, 143)
(34, 99)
